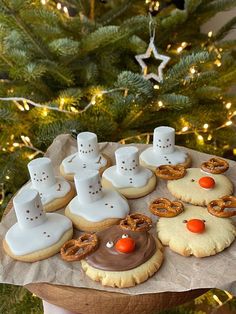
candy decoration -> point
(196, 225)
(207, 182)
(125, 245)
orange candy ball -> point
(125, 245)
(207, 182)
(196, 225)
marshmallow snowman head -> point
(87, 145)
(164, 140)
(127, 162)
(41, 174)
(29, 209)
(88, 186)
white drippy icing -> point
(121, 181)
(74, 164)
(88, 186)
(111, 205)
(59, 190)
(35, 230)
(127, 172)
(163, 150)
(26, 241)
(150, 157)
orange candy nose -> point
(207, 182)
(125, 245)
(196, 225)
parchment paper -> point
(177, 273)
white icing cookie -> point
(36, 235)
(163, 151)
(127, 176)
(189, 190)
(111, 205)
(22, 242)
(87, 157)
(219, 233)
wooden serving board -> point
(90, 301)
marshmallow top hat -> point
(41, 173)
(29, 209)
(127, 161)
(88, 186)
(164, 140)
(87, 145)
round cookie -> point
(87, 157)
(189, 190)
(36, 235)
(55, 192)
(122, 256)
(163, 151)
(95, 208)
(127, 176)
(205, 236)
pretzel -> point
(163, 207)
(136, 222)
(172, 172)
(77, 249)
(215, 165)
(217, 207)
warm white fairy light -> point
(228, 105)
(210, 34)
(179, 49)
(205, 126)
(192, 70)
(217, 299)
(65, 9)
(7, 177)
(217, 62)
(209, 138)
(43, 2)
(228, 123)
(160, 104)
(185, 129)
(59, 6)
(156, 86)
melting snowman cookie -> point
(36, 235)
(55, 191)
(87, 157)
(127, 176)
(193, 185)
(122, 256)
(163, 151)
(95, 208)
(196, 232)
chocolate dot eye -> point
(185, 221)
(192, 180)
(109, 244)
(123, 162)
(90, 186)
(168, 140)
(133, 160)
(43, 172)
(27, 211)
(106, 203)
(203, 220)
(124, 236)
(89, 145)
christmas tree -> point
(70, 66)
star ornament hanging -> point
(152, 49)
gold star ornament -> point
(152, 49)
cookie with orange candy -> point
(193, 230)
(121, 256)
(197, 186)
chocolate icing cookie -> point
(107, 257)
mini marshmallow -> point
(87, 146)
(29, 209)
(41, 173)
(164, 140)
(88, 186)
(127, 161)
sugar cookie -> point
(127, 176)
(199, 188)
(123, 257)
(88, 157)
(196, 232)
(163, 151)
(95, 208)
(36, 235)
(55, 191)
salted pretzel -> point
(217, 207)
(215, 165)
(170, 172)
(77, 249)
(136, 222)
(163, 207)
